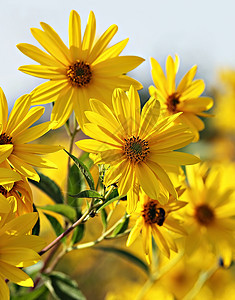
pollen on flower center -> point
(172, 102)
(204, 214)
(79, 73)
(153, 214)
(135, 149)
(5, 139)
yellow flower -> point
(17, 248)
(210, 213)
(138, 149)
(15, 135)
(19, 189)
(87, 69)
(185, 98)
(155, 219)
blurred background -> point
(200, 32)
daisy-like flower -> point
(18, 249)
(19, 189)
(156, 219)
(185, 98)
(87, 69)
(15, 135)
(138, 148)
(210, 213)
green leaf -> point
(76, 184)
(36, 228)
(107, 203)
(41, 292)
(64, 287)
(83, 168)
(49, 187)
(62, 209)
(56, 225)
(87, 194)
(103, 215)
(112, 195)
(121, 227)
(78, 234)
(127, 255)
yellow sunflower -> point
(19, 189)
(185, 98)
(138, 148)
(155, 219)
(15, 135)
(87, 69)
(210, 213)
(17, 248)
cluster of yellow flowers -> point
(137, 147)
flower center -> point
(204, 214)
(135, 149)
(5, 139)
(172, 102)
(79, 73)
(153, 214)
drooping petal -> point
(8, 176)
(147, 180)
(135, 232)
(5, 151)
(63, 108)
(48, 91)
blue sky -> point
(201, 32)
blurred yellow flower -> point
(210, 213)
(86, 70)
(137, 147)
(15, 135)
(185, 98)
(155, 219)
(18, 249)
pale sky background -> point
(201, 32)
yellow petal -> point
(159, 78)
(149, 118)
(3, 109)
(19, 256)
(18, 113)
(63, 108)
(74, 32)
(147, 180)
(163, 178)
(38, 55)
(32, 116)
(194, 90)
(175, 158)
(186, 80)
(24, 168)
(116, 66)
(170, 75)
(48, 91)
(15, 275)
(113, 51)
(102, 43)
(126, 180)
(160, 241)
(4, 205)
(135, 232)
(89, 36)
(36, 148)
(8, 176)
(4, 290)
(34, 133)
(58, 44)
(113, 174)
(133, 197)
(195, 105)
(44, 72)
(5, 151)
